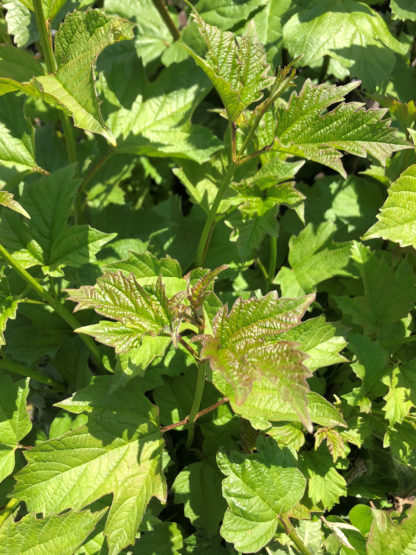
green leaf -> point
(17, 64)
(396, 220)
(155, 120)
(236, 66)
(304, 129)
(397, 404)
(118, 452)
(8, 307)
(137, 310)
(384, 531)
(14, 421)
(153, 36)
(354, 35)
(319, 340)
(61, 534)
(403, 9)
(269, 28)
(389, 292)
(46, 239)
(325, 484)
(258, 489)
(17, 148)
(246, 347)
(225, 14)
(315, 258)
(165, 539)
(198, 487)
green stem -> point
(272, 262)
(324, 69)
(164, 14)
(56, 305)
(210, 221)
(199, 390)
(291, 532)
(52, 67)
(17, 368)
(8, 510)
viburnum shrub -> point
(208, 277)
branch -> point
(202, 412)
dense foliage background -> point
(245, 235)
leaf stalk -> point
(8, 510)
(291, 532)
(164, 14)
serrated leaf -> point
(155, 120)
(304, 128)
(354, 35)
(245, 347)
(46, 239)
(319, 340)
(314, 257)
(118, 452)
(225, 14)
(401, 538)
(334, 442)
(403, 9)
(198, 487)
(137, 310)
(287, 435)
(7, 200)
(325, 484)
(20, 23)
(78, 42)
(14, 421)
(258, 489)
(236, 66)
(61, 534)
(396, 220)
(398, 404)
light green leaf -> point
(137, 310)
(14, 421)
(156, 120)
(46, 239)
(269, 28)
(325, 484)
(235, 65)
(403, 9)
(198, 487)
(165, 539)
(354, 35)
(401, 538)
(304, 129)
(20, 23)
(397, 220)
(246, 347)
(266, 403)
(334, 442)
(61, 534)
(7, 200)
(78, 42)
(287, 435)
(314, 257)
(147, 268)
(258, 489)
(118, 452)
(226, 14)
(319, 340)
